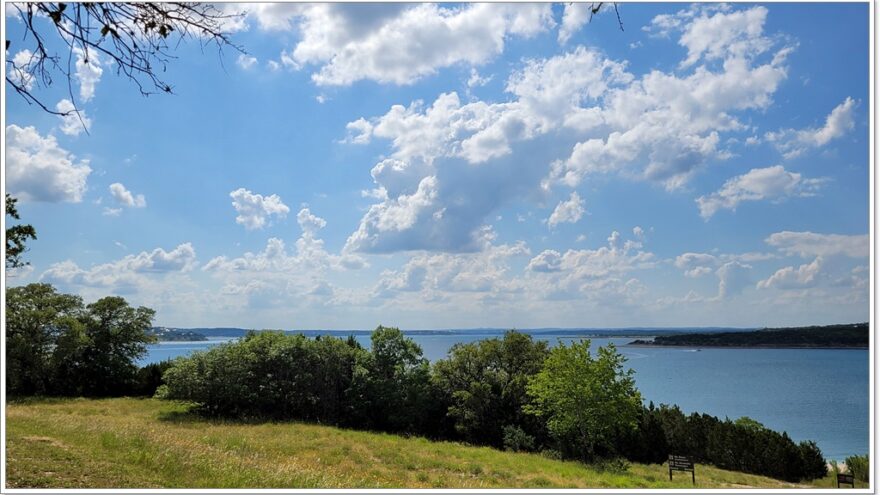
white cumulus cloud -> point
(792, 278)
(255, 210)
(569, 211)
(664, 127)
(126, 275)
(246, 61)
(75, 122)
(793, 143)
(124, 197)
(400, 43)
(88, 73)
(771, 183)
(575, 15)
(37, 169)
(21, 70)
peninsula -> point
(847, 336)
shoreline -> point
(841, 348)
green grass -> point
(147, 443)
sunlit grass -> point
(147, 443)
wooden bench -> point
(682, 463)
(846, 479)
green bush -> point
(858, 466)
(149, 378)
(743, 445)
(484, 384)
(517, 440)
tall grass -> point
(148, 443)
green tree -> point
(484, 383)
(56, 346)
(589, 403)
(16, 236)
(36, 317)
(391, 384)
(97, 358)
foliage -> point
(329, 380)
(589, 403)
(517, 440)
(510, 393)
(136, 37)
(16, 236)
(647, 444)
(858, 466)
(39, 321)
(742, 445)
(616, 465)
(393, 383)
(484, 384)
(149, 378)
(56, 346)
(267, 374)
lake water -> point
(813, 394)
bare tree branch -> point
(136, 38)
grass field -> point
(147, 443)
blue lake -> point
(813, 394)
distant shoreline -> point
(680, 346)
(850, 336)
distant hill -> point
(853, 335)
(166, 334)
(586, 332)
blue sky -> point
(478, 165)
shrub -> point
(858, 466)
(616, 465)
(517, 440)
(484, 385)
(149, 378)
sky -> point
(462, 166)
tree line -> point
(512, 392)
(56, 345)
(850, 335)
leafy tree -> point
(485, 383)
(392, 383)
(16, 236)
(97, 358)
(589, 402)
(56, 346)
(36, 317)
(137, 37)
